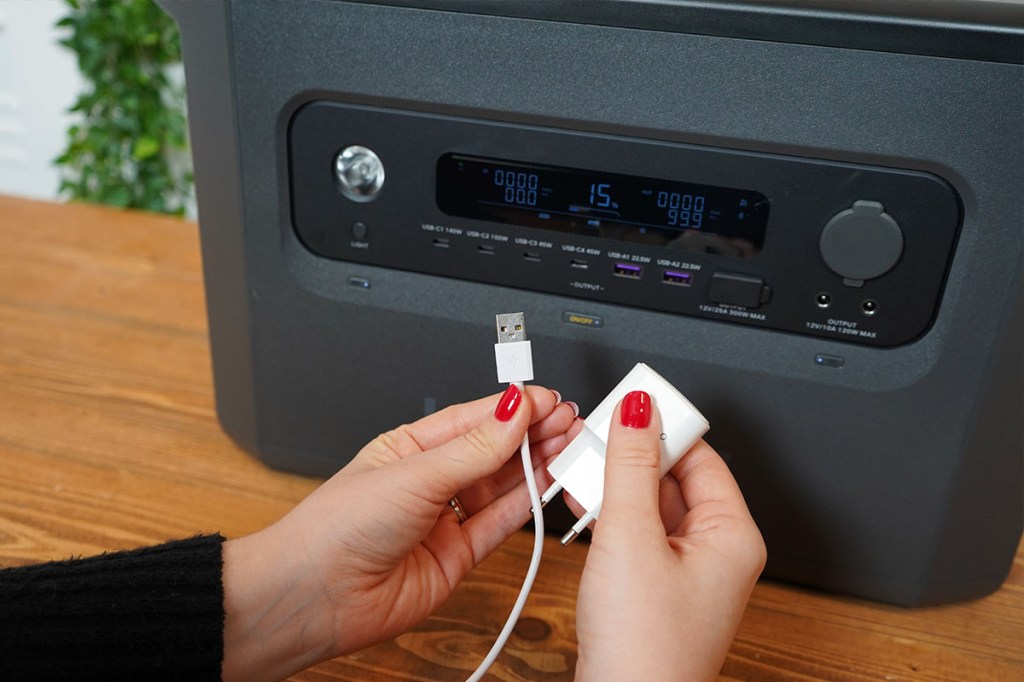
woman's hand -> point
(671, 564)
(377, 548)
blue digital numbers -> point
(520, 187)
(602, 204)
(599, 195)
(684, 210)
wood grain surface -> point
(109, 440)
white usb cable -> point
(515, 365)
(579, 469)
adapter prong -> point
(578, 527)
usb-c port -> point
(579, 264)
(627, 270)
(532, 256)
(679, 279)
(442, 242)
(486, 250)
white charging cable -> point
(515, 365)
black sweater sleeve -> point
(155, 613)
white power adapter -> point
(579, 469)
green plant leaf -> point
(117, 196)
(129, 118)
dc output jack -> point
(824, 299)
(869, 306)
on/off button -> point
(747, 291)
(582, 319)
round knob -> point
(360, 173)
(862, 242)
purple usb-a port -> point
(627, 270)
(679, 279)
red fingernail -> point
(508, 404)
(636, 410)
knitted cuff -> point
(155, 613)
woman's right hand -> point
(672, 562)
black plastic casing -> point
(892, 473)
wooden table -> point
(108, 440)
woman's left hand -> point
(377, 547)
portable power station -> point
(808, 216)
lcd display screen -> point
(685, 215)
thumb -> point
(479, 452)
(632, 467)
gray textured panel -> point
(865, 478)
(208, 74)
(962, 29)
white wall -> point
(39, 81)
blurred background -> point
(92, 104)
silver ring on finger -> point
(460, 512)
